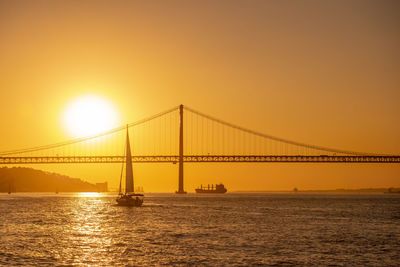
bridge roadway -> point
(201, 158)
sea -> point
(233, 229)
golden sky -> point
(319, 72)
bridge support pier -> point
(180, 181)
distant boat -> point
(9, 188)
(128, 198)
(219, 189)
(392, 191)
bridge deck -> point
(202, 158)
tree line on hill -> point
(20, 179)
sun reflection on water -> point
(88, 241)
(89, 194)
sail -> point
(129, 173)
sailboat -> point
(128, 198)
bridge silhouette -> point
(182, 135)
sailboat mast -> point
(129, 187)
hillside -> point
(20, 179)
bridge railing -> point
(202, 159)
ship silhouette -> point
(219, 189)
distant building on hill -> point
(139, 189)
(102, 187)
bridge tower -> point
(180, 189)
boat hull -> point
(128, 200)
(206, 191)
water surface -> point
(229, 229)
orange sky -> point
(320, 72)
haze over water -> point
(230, 229)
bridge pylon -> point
(180, 180)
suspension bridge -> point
(183, 135)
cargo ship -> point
(219, 189)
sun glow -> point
(89, 194)
(89, 115)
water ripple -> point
(234, 229)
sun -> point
(89, 115)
